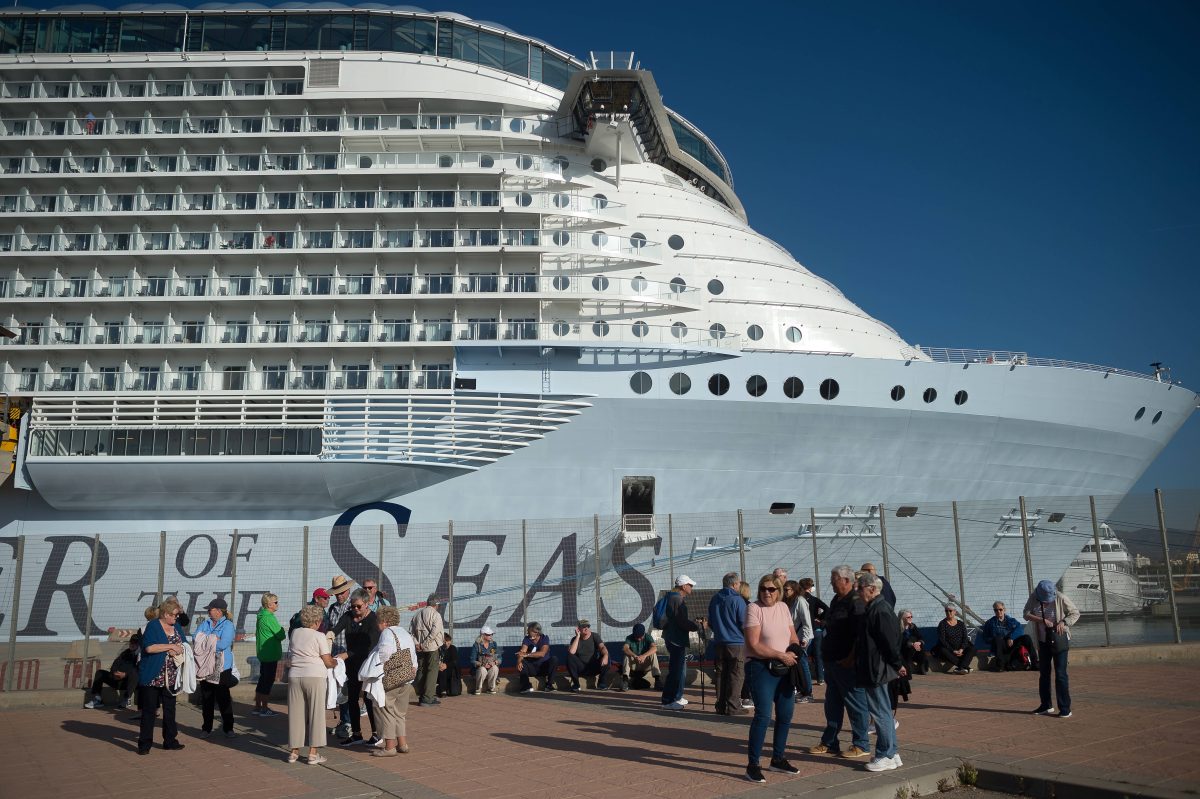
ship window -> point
(794, 334)
(562, 238)
(599, 239)
(715, 286)
(793, 387)
(561, 328)
(600, 283)
(960, 397)
(445, 161)
(829, 389)
(640, 329)
(1157, 416)
(601, 201)
(754, 332)
(756, 385)
(517, 126)
(930, 394)
(783, 508)
(524, 199)
(524, 162)
(637, 241)
(561, 162)
(678, 284)
(561, 201)
(718, 385)
(562, 282)
(681, 383)
(486, 161)
(599, 165)
(638, 284)
(640, 382)
(675, 242)
(717, 330)
(600, 327)
(1137, 417)
(679, 330)
(897, 393)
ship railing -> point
(152, 88)
(1009, 358)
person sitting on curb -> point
(912, 645)
(1004, 634)
(954, 644)
(121, 676)
(641, 658)
(586, 656)
(485, 657)
(534, 659)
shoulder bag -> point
(1057, 643)
(399, 669)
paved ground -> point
(1134, 726)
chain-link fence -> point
(69, 600)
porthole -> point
(960, 397)
(715, 287)
(717, 330)
(897, 393)
(681, 383)
(794, 335)
(1137, 417)
(754, 332)
(679, 330)
(561, 201)
(640, 329)
(718, 385)
(793, 387)
(561, 328)
(675, 242)
(599, 165)
(561, 162)
(829, 388)
(517, 125)
(524, 199)
(486, 161)
(445, 161)
(561, 282)
(1157, 416)
(640, 382)
(600, 239)
(600, 328)
(562, 238)
(600, 283)
(930, 394)
(637, 241)
(756, 385)
(638, 284)
(678, 284)
(601, 201)
(524, 162)
(364, 162)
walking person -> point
(769, 635)
(268, 647)
(309, 664)
(843, 695)
(676, 626)
(162, 652)
(427, 630)
(727, 617)
(877, 663)
(1052, 615)
(393, 710)
(214, 688)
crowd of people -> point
(346, 650)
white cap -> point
(683, 579)
(485, 630)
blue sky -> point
(1017, 175)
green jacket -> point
(268, 638)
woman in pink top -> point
(769, 633)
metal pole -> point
(962, 584)
(618, 183)
(670, 551)
(450, 577)
(162, 566)
(1100, 571)
(1025, 543)
(741, 544)
(812, 523)
(87, 622)
(599, 622)
(887, 575)
(524, 579)
(379, 565)
(12, 619)
(304, 569)
(1162, 529)
(233, 581)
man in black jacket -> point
(122, 676)
(843, 695)
(877, 663)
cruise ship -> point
(275, 266)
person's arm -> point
(603, 653)
(544, 649)
(887, 641)
(681, 618)
(523, 652)
(573, 647)
(626, 651)
(652, 652)
(1033, 611)
(1070, 612)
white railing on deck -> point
(1007, 358)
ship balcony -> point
(153, 380)
(149, 89)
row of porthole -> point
(1137, 417)
(756, 386)
(678, 329)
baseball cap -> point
(218, 603)
(683, 579)
(485, 630)
(320, 593)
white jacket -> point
(334, 678)
(185, 677)
(371, 677)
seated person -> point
(641, 658)
(534, 659)
(485, 657)
(587, 655)
(122, 675)
(449, 679)
(912, 645)
(954, 645)
(1006, 637)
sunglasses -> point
(768, 588)
(358, 607)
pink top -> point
(776, 624)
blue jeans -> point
(806, 675)
(1062, 687)
(673, 685)
(843, 696)
(769, 691)
(814, 649)
(880, 706)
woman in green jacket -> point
(268, 646)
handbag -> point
(227, 679)
(399, 669)
(778, 668)
(1057, 643)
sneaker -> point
(94, 703)
(266, 712)
(384, 753)
(124, 704)
(493, 691)
(820, 682)
(754, 774)
(681, 701)
(374, 740)
(1043, 711)
(574, 689)
(747, 704)
(1065, 715)
(822, 749)
(883, 764)
(256, 711)
(804, 700)
(353, 740)
(967, 670)
(230, 734)
(854, 751)
(672, 706)
(781, 765)
(342, 731)
(205, 733)
(896, 723)
(547, 688)
(524, 690)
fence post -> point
(12, 619)
(741, 544)
(599, 622)
(379, 565)
(962, 584)
(162, 566)
(450, 577)
(87, 622)
(670, 552)
(812, 523)
(1025, 543)
(887, 574)
(1100, 571)
(524, 580)
(1162, 529)
(304, 570)
(233, 582)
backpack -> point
(659, 618)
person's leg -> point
(673, 687)
(1045, 663)
(170, 728)
(312, 716)
(815, 646)
(968, 655)
(655, 671)
(429, 685)
(880, 707)
(763, 688)
(129, 687)
(721, 663)
(806, 686)
(225, 705)
(784, 700)
(524, 670)
(208, 701)
(737, 675)
(353, 691)
(601, 670)
(266, 680)
(148, 702)
(298, 713)
(371, 712)
(574, 667)
(998, 662)
(835, 707)
(855, 699)
(1062, 685)
(493, 677)
(101, 679)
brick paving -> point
(1133, 726)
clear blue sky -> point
(1017, 175)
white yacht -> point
(1122, 587)
(272, 266)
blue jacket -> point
(993, 629)
(727, 616)
(224, 632)
(151, 665)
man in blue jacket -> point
(727, 617)
(676, 627)
(1004, 634)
